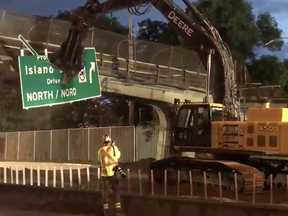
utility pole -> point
(131, 64)
(130, 42)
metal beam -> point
(111, 6)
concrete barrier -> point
(88, 202)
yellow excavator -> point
(255, 148)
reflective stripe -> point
(107, 155)
(108, 149)
(117, 205)
(109, 164)
(105, 206)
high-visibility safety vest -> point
(108, 157)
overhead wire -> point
(137, 9)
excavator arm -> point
(202, 38)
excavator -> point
(237, 147)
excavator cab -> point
(192, 126)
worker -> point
(109, 155)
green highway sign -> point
(41, 82)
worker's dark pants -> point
(114, 183)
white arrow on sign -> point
(92, 68)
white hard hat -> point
(106, 138)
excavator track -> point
(251, 179)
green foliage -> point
(10, 108)
(102, 22)
(243, 31)
(235, 22)
(98, 112)
(158, 31)
(151, 127)
(239, 27)
(63, 15)
(269, 31)
(271, 65)
(115, 112)
(14, 118)
(284, 78)
(269, 70)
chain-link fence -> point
(77, 145)
(53, 31)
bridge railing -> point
(155, 63)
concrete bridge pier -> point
(166, 119)
(165, 116)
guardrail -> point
(139, 71)
(87, 177)
(37, 174)
(142, 72)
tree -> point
(239, 27)
(101, 112)
(269, 70)
(102, 22)
(269, 30)
(266, 63)
(157, 31)
(284, 78)
(243, 31)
